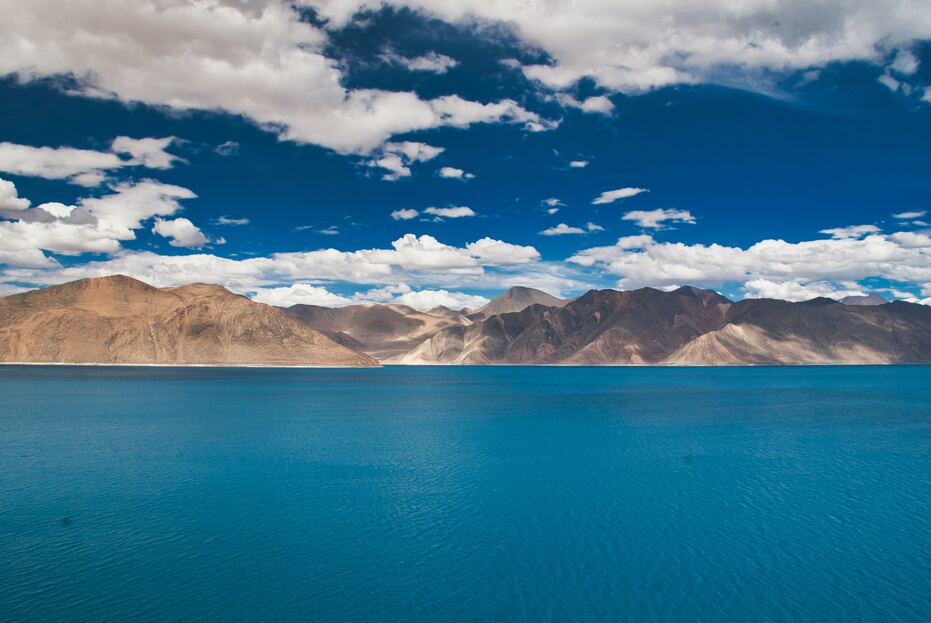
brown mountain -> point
(382, 331)
(517, 299)
(866, 299)
(121, 320)
(688, 326)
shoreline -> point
(453, 365)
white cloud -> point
(795, 290)
(905, 63)
(610, 196)
(332, 230)
(181, 232)
(396, 158)
(85, 167)
(597, 103)
(93, 225)
(902, 257)
(300, 294)
(451, 212)
(889, 82)
(578, 164)
(593, 227)
(430, 62)
(552, 211)
(10, 201)
(552, 202)
(404, 215)
(851, 231)
(428, 299)
(231, 221)
(454, 173)
(498, 253)
(907, 216)
(562, 230)
(657, 219)
(635, 46)
(205, 54)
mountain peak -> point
(518, 298)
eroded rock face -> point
(122, 320)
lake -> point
(465, 494)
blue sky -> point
(427, 153)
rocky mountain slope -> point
(688, 326)
(382, 331)
(516, 299)
(121, 320)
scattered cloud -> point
(181, 232)
(431, 62)
(562, 230)
(396, 158)
(228, 148)
(578, 164)
(231, 221)
(594, 104)
(658, 219)
(405, 215)
(85, 167)
(454, 173)
(851, 231)
(610, 196)
(908, 216)
(592, 227)
(451, 212)
(425, 300)
(795, 290)
(332, 230)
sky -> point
(334, 152)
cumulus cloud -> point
(10, 201)
(795, 290)
(499, 253)
(640, 260)
(300, 294)
(428, 299)
(454, 173)
(205, 55)
(93, 225)
(451, 212)
(657, 219)
(635, 46)
(181, 233)
(610, 196)
(578, 164)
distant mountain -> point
(868, 299)
(121, 320)
(688, 326)
(517, 299)
(382, 331)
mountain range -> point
(121, 320)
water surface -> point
(465, 494)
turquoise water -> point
(465, 494)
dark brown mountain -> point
(866, 299)
(121, 320)
(516, 299)
(688, 326)
(382, 331)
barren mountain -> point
(121, 320)
(382, 331)
(688, 326)
(866, 299)
(517, 299)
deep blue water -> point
(465, 494)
